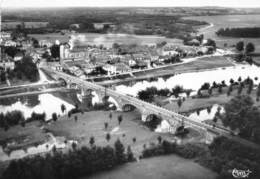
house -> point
(100, 26)
(74, 26)
(89, 68)
(66, 52)
(131, 62)
(122, 68)
(56, 66)
(45, 43)
(138, 57)
(193, 42)
(111, 69)
(10, 43)
(7, 64)
(170, 53)
(5, 36)
(18, 56)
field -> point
(231, 21)
(163, 167)
(92, 124)
(23, 137)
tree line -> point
(221, 156)
(149, 93)
(246, 32)
(76, 163)
(16, 117)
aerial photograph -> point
(129, 89)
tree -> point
(231, 81)
(210, 91)
(220, 89)
(54, 117)
(211, 42)
(76, 118)
(240, 46)
(179, 102)
(120, 119)
(55, 51)
(159, 138)
(92, 141)
(239, 90)
(130, 155)
(250, 47)
(35, 43)
(63, 108)
(2, 76)
(240, 113)
(74, 145)
(134, 139)
(108, 137)
(258, 91)
(106, 125)
(119, 151)
(110, 115)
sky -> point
(126, 3)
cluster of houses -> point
(86, 60)
(83, 61)
(21, 47)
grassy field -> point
(23, 137)
(163, 167)
(92, 124)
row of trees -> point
(11, 118)
(239, 83)
(248, 48)
(16, 117)
(246, 32)
(76, 163)
(149, 93)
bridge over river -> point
(174, 119)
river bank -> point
(199, 64)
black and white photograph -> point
(129, 89)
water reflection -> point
(207, 113)
(47, 103)
(194, 80)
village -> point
(89, 61)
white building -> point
(111, 69)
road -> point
(61, 89)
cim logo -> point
(241, 173)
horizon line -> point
(39, 7)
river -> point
(194, 80)
(228, 21)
